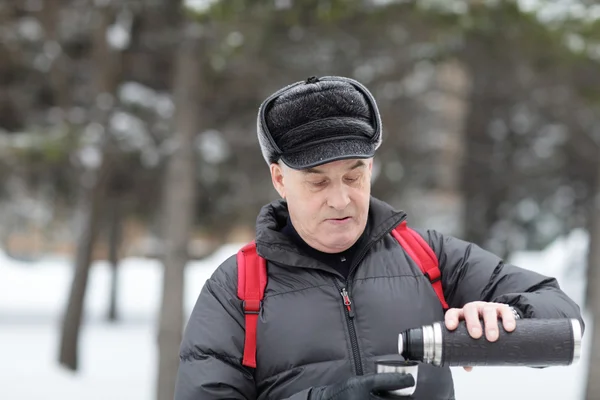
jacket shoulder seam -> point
(199, 355)
(390, 276)
(353, 280)
(298, 290)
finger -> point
(471, 313)
(452, 317)
(490, 318)
(468, 369)
(391, 381)
(508, 319)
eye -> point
(351, 179)
(319, 183)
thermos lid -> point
(394, 360)
(389, 396)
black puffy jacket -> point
(305, 336)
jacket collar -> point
(277, 247)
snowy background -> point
(118, 360)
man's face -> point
(328, 204)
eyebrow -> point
(359, 163)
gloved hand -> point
(362, 387)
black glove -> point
(363, 387)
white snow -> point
(130, 130)
(118, 361)
(30, 29)
(212, 146)
(199, 5)
(118, 35)
(90, 157)
(135, 93)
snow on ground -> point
(118, 361)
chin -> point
(341, 242)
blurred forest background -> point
(129, 127)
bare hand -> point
(472, 312)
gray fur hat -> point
(320, 120)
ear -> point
(277, 179)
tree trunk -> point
(477, 172)
(439, 203)
(50, 17)
(482, 167)
(114, 241)
(179, 197)
(593, 293)
(104, 83)
(93, 204)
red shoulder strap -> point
(420, 251)
(252, 279)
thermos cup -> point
(397, 363)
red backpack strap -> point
(422, 254)
(252, 279)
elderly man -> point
(338, 286)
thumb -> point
(391, 381)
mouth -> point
(339, 220)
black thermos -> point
(534, 343)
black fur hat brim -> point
(327, 152)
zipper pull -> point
(347, 303)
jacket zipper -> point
(351, 329)
(347, 302)
(350, 311)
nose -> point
(338, 198)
